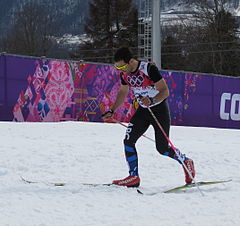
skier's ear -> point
(131, 60)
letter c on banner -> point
(235, 115)
(224, 115)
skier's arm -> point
(162, 87)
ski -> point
(61, 184)
(202, 183)
(173, 190)
(186, 186)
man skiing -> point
(151, 91)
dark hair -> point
(124, 54)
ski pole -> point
(127, 127)
(174, 148)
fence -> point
(48, 90)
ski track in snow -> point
(80, 152)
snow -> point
(237, 12)
(69, 39)
(81, 152)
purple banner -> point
(34, 89)
(206, 100)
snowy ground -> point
(76, 152)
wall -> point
(35, 89)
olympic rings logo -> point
(135, 80)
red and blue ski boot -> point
(130, 181)
(190, 166)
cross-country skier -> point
(151, 91)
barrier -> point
(48, 90)
(206, 100)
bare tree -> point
(32, 28)
(220, 31)
(208, 42)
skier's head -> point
(124, 60)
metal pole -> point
(174, 148)
(156, 33)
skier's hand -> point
(146, 101)
(107, 115)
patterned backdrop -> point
(44, 90)
(60, 90)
